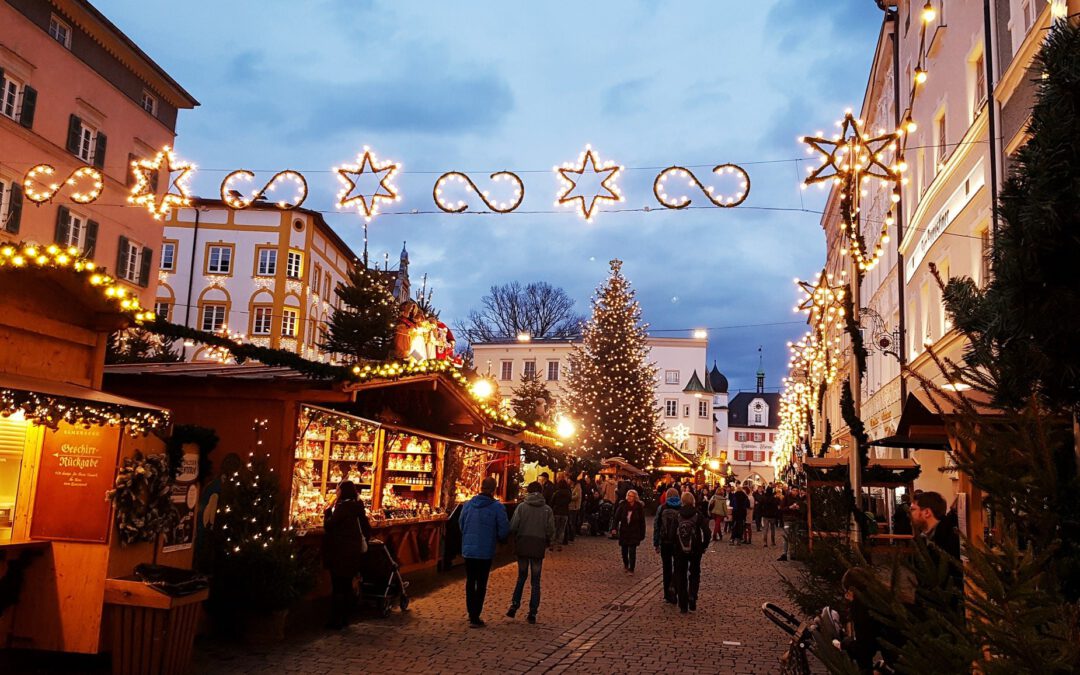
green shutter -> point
(63, 224)
(144, 270)
(15, 204)
(130, 182)
(91, 238)
(122, 259)
(74, 134)
(99, 150)
(29, 105)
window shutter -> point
(154, 180)
(29, 105)
(74, 132)
(15, 203)
(130, 182)
(63, 223)
(99, 150)
(122, 259)
(91, 238)
(144, 271)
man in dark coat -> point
(560, 505)
(547, 488)
(533, 526)
(740, 505)
(928, 516)
(630, 524)
(346, 532)
(695, 528)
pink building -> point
(75, 91)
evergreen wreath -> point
(141, 498)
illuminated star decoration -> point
(851, 159)
(142, 193)
(680, 433)
(368, 206)
(588, 158)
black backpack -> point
(669, 524)
(687, 533)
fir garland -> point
(141, 497)
(855, 425)
(858, 347)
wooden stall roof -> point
(427, 396)
(674, 459)
(824, 462)
(620, 464)
(68, 390)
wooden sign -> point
(77, 468)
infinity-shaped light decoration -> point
(41, 196)
(496, 206)
(235, 200)
(724, 202)
(142, 193)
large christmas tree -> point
(363, 327)
(611, 381)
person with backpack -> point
(664, 529)
(630, 524)
(691, 540)
(533, 526)
(718, 509)
(483, 523)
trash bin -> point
(153, 630)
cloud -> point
(626, 97)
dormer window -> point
(60, 31)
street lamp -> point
(483, 388)
(523, 337)
(564, 427)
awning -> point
(919, 427)
(509, 438)
(49, 402)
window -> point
(289, 319)
(11, 198)
(168, 256)
(671, 407)
(161, 308)
(75, 232)
(506, 371)
(686, 410)
(316, 277)
(984, 257)
(149, 103)
(60, 31)
(940, 133)
(530, 369)
(133, 261)
(213, 317)
(294, 266)
(671, 377)
(702, 408)
(329, 289)
(84, 141)
(219, 259)
(260, 321)
(980, 84)
(9, 98)
(1028, 11)
(267, 266)
(757, 418)
(86, 144)
(553, 371)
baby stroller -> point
(380, 581)
(604, 516)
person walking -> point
(533, 526)
(748, 531)
(346, 531)
(574, 523)
(740, 506)
(664, 529)
(607, 490)
(560, 504)
(630, 524)
(770, 513)
(718, 509)
(483, 523)
(691, 540)
(791, 513)
(547, 487)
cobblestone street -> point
(593, 618)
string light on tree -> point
(588, 162)
(177, 192)
(367, 163)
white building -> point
(753, 421)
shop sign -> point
(185, 497)
(78, 466)
(943, 218)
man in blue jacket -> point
(483, 523)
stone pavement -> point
(593, 618)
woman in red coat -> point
(630, 525)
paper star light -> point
(143, 194)
(367, 205)
(588, 159)
(680, 433)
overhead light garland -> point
(143, 194)
(734, 199)
(33, 256)
(493, 205)
(234, 199)
(588, 159)
(368, 206)
(50, 410)
(83, 173)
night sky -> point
(484, 87)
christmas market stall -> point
(67, 552)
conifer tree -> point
(363, 327)
(611, 381)
(532, 402)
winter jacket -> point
(701, 540)
(607, 491)
(560, 501)
(483, 523)
(548, 489)
(718, 505)
(533, 526)
(769, 506)
(575, 497)
(671, 503)
(342, 550)
(740, 505)
(630, 521)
